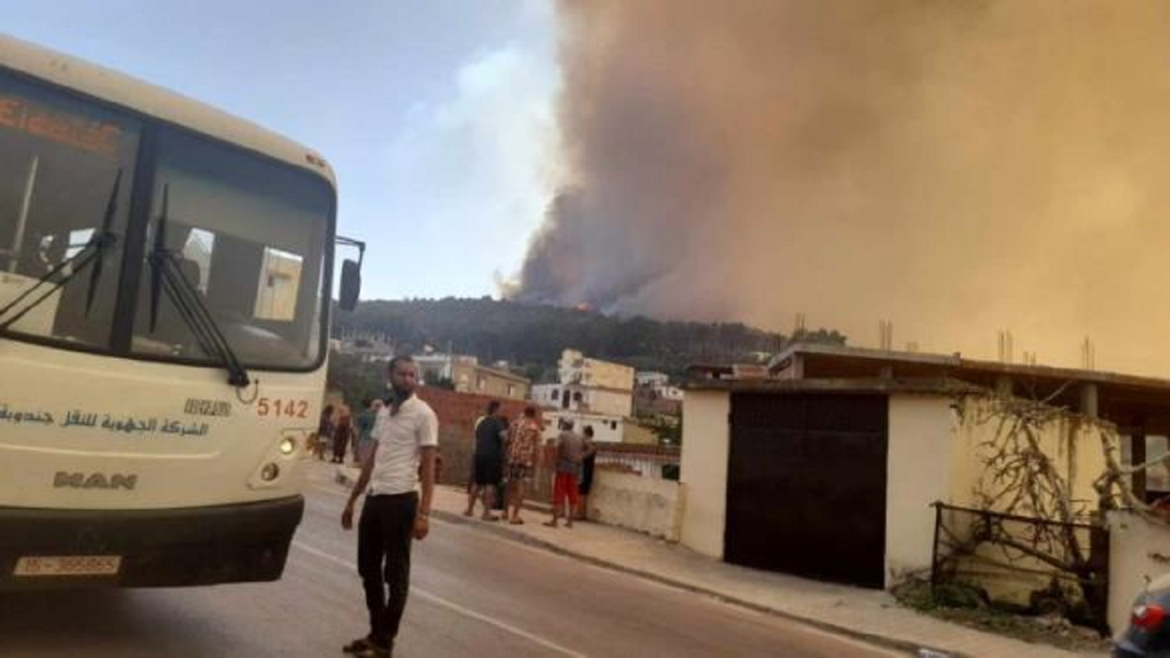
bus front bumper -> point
(146, 548)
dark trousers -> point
(385, 532)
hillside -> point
(532, 336)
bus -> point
(165, 293)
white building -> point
(369, 346)
(858, 444)
(586, 399)
(590, 391)
(606, 428)
(651, 379)
(466, 375)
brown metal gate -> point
(806, 485)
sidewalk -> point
(865, 614)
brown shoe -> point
(357, 646)
(375, 650)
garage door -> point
(806, 486)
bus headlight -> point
(270, 472)
(288, 446)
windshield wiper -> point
(96, 275)
(167, 275)
(93, 252)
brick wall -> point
(457, 413)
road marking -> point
(450, 605)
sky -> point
(957, 169)
(438, 116)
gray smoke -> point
(956, 168)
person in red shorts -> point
(570, 454)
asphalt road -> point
(473, 594)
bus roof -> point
(119, 89)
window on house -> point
(556, 394)
(576, 396)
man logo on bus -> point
(65, 480)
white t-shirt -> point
(400, 440)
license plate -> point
(67, 565)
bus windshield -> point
(59, 160)
(250, 236)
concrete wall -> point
(919, 465)
(617, 403)
(644, 504)
(1074, 449)
(706, 445)
(496, 384)
(1137, 550)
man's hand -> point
(421, 526)
(347, 517)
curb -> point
(503, 531)
(879, 640)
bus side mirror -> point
(351, 285)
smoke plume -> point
(954, 167)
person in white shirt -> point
(406, 436)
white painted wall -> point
(919, 460)
(1075, 450)
(606, 429)
(592, 400)
(644, 504)
(705, 448)
(651, 378)
(1137, 550)
(542, 395)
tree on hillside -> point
(355, 379)
(527, 334)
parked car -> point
(1148, 634)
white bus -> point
(164, 310)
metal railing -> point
(979, 547)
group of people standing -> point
(340, 431)
(508, 456)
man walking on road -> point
(523, 448)
(488, 464)
(406, 438)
